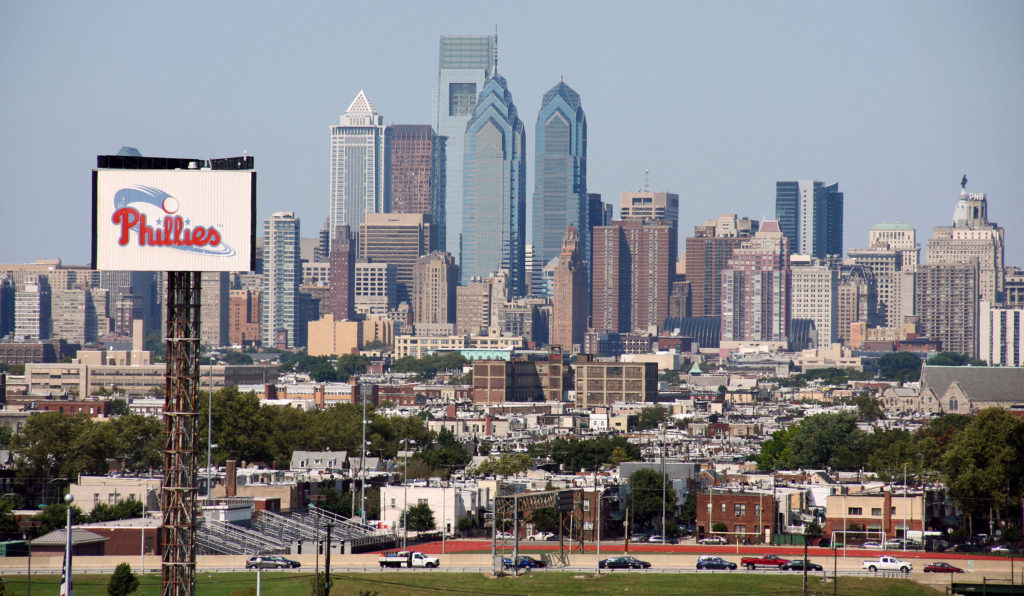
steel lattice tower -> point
(181, 414)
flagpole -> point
(65, 584)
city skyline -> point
(895, 122)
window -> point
(392, 503)
(740, 509)
(892, 511)
(855, 511)
(876, 511)
(723, 507)
(739, 528)
(421, 501)
(586, 505)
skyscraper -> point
(560, 174)
(810, 215)
(397, 239)
(815, 296)
(416, 174)
(633, 263)
(707, 253)
(282, 276)
(571, 300)
(435, 277)
(214, 310)
(755, 289)
(972, 237)
(464, 64)
(342, 275)
(494, 188)
(357, 165)
(946, 302)
(650, 206)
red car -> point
(942, 568)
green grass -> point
(424, 583)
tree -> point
(123, 582)
(240, 427)
(827, 440)
(984, 464)
(900, 366)
(586, 454)
(465, 524)
(545, 520)
(55, 517)
(954, 359)
(236, 358)
(688, 514)
(5, 436)
(646, 487)
(445, 453)
(506, 464)
(140, 441)
(351, 364)
(651, 417)
(119, 407)
(671, 377)
(124, 509)
(777, 451)
(421, 518)
(719, 527)
(373, 346)
(53, 445)
(868, 408)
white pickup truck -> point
(887, 564)
(406, 558)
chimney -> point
(231, 478)
(320, 396)
(487, 424)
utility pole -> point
(327, 563)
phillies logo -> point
(133, 206)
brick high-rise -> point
(416, 174)
(633, 262)
(946, 302)
(707, 253)
(571, 301)
(244, 318)
(755, 289)
(397, 239)
(342, 275)
(435, 277)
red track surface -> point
(459, 546)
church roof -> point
(979, 383)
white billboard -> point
(174, 220)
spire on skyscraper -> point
(495, 65)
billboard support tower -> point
(181, 412)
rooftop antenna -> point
(495, 48)
(647, 180)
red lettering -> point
(199, 236)
(172, 234)
(145, 231)
(214, 237)
(127, 217)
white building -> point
(357, 165)
(282, 274)
(900, 237)
(999, 335)
(815, 296)
(449, 503)
(32, 311)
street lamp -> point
(65, 584)
(405, 492)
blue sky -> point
(894, 100)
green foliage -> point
(322, 583)
(954, 359)
(671, 377)
(984, 464)
(12, 369)
(688, 514)
(483, 448)
(719, 527)
(429, 365)
(813, 530)
(646, 488)
(351, 364)
(466, 379)
(506, 464)
(444, 454)
(900, 366)
(868, 408)
(374, 346)
(819, 441)
(8, 525)
(55, 517)
(140, 441)
(586, 454)
(123, 581)
(119, 407)
(5, 436)
(124, 509)
(420, 518)
(154, 342)
(235, 358)
(545, 520)
(55, 445)
(465, 524)
(650, 417)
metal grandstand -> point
(274, 533)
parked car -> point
(886, 563)
(542, 536)
(270, 562)
(765, 561)
(639, 538)
(658, 539)
(798, 565)
(713, 562)
(713, 540)
(504, 535)
(999, 549)
(522, 562)
(942, 567)
(623, 563)
(871, 545)
(406, 558)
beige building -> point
(328, 337)
(435, 278)
(972, 237)
(605, 383)
(882, 514)
(421, 345)
(110, 490)
(814, 295)
(478, 303)
(900, 237)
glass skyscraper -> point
(464, 64)
(357, 165)
(494, 188)
(810, 215)
(560, 174)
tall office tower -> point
(707, 253)
(650, 206)
(600, 213)
(374, 288)
(533, 266)
(127, 307)
(857, 298)
(435, 277)
(416, 163)
(896, 236)
(560, 174)
(494, 188)
(633, 263)
(478, 304)
(571, 300)
(68, 315)
(1001, 335)
(814, 295)
(282, 276)
(342, 275)
(215, 304)
(464, 63)
(810, 214)
(323, 243)
(946, 303)
(357, 165)
(145, 287)
(755, 288)
(885, 266)
(397, 239)
(972, 236)
(6, 305)
(32, 310)
(97, 316)
(244, 317)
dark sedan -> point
(522, 562)
(942, 568)
(624, 563)
(707, 562)
(798, 565)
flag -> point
(65, 572)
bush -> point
(123, 582)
